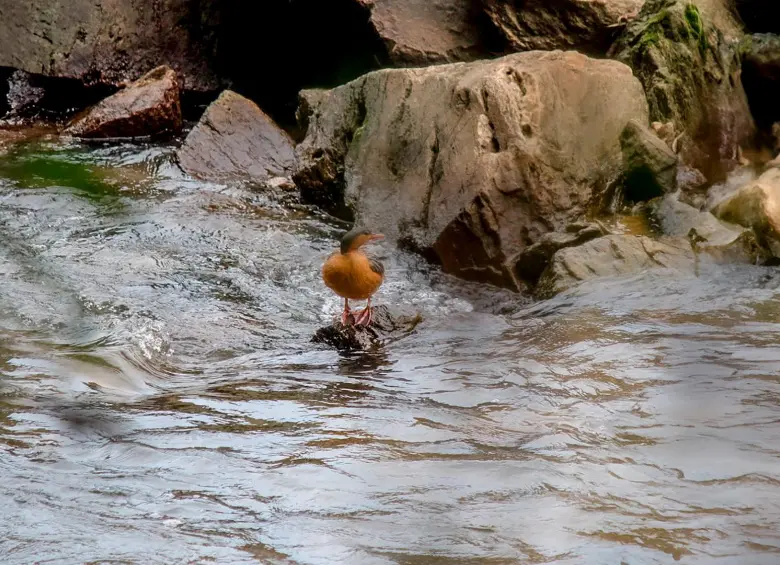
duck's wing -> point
(376, 265)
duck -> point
(353, 274)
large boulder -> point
(471, 162)
(688, 60)
(236, 140)
(613, 255)
(149, 106)
(110, 41)
(584, 25)
(756, 205)
(421, 32)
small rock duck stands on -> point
(354, 275)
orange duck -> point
(353, 275)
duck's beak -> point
(375, 237)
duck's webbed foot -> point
(365, 315)
(346, 315)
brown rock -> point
(236, 140)
(756, 205)
(584, 25)
(684, 55)
(422, 32)
(472, 161)
(613, 255)
(110, 41)
(147, 107)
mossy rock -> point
(690, 70)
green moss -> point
(695, 25)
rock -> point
(471, 162)
(650, 165)
(424, 32)
(583, 25)
(384, 327)
(690, 68)
(756, 205)
(613, 255)
(534, 259)
(236, 140)
(149, 106)
(724, 242)
(22, 95)
(692, 185)
(110, 41)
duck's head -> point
(357, 238)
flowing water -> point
(160, 402)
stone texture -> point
(421, 32)
(110, 41)
(613, 255)
(690, 68)
(472, 162)
(235, 140)
(385, 326)
(756, 205)
(149, 106)
(650, 165)
(584, 25)
(721, 241)
(533, 261)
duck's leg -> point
(364, 317)
(346, 315)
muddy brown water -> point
(160, 402)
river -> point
(160, 402)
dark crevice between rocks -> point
(31, 97)
(760, 16)
(271, 50)
(762, 87)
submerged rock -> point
(756, 205)
(613, 255)
(384, 327)
(236, 140)
(583, 25)
(149, 106)
(111, 42)
(423, 32)
(650, 165)
(471, 162)
(687, 59)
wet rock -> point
(583, 25)
(471, 162)
(236, 140)
(687, 59)
(613, 255)
(722, 241)
(535, 259)
(650, 165)
(692, 185)
(149, 106)
(423, 32)
(22, 95)
(756, 205)
(111, 42)
(384, 327)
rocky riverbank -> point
(512, 143)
